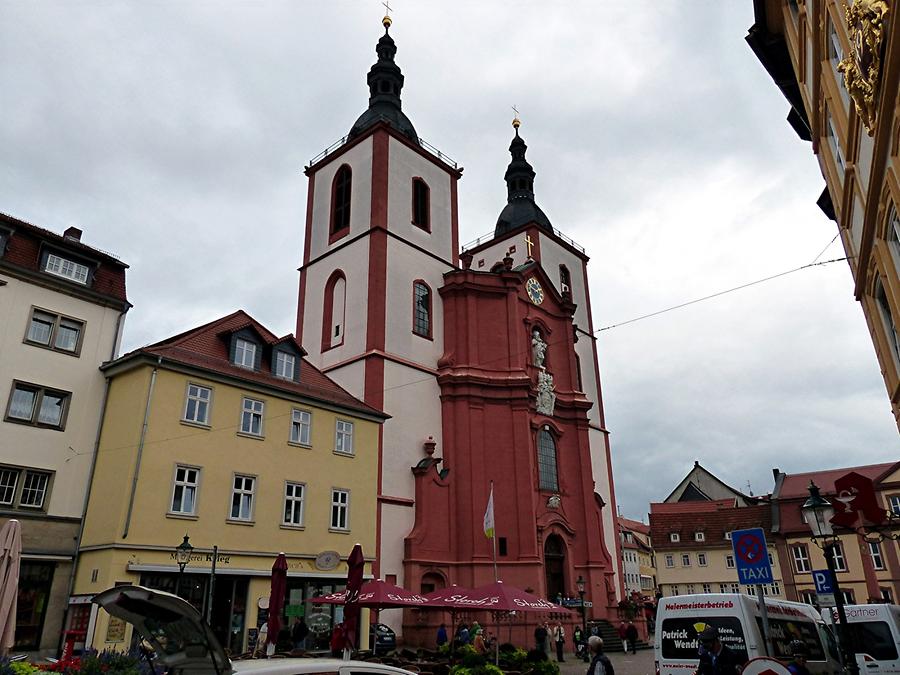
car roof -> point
(299, 666)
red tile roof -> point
(714, 519)
(207, 347)
(634, 525)
(24, 251)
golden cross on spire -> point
(386, 21)
(516, 121)
(529, 243)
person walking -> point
(716, 658)
(559, 637)
(631, 633)
(622, 630)
(600, 663)
(442, 635)
(478, 643)
(578, 640)
(540, 638)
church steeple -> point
(521, 208)
(385, 83)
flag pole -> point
(493, 533)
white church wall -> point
(351, 377)
(405, 265)
(359, 158)
(497, 251)
(600, 470)
(353, 261)
(404, 165)
(552, 256)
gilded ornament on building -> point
(862, 68)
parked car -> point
(185, 645)
(382, 638)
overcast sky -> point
(174, 134)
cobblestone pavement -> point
(624, 664)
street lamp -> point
(818, 512)
(182, 557)
(579, 584)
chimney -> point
(72, 234)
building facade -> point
(838, 65)
(486, 362)
(62, 305)
(868, 570)
(225, 434)
(638, 560)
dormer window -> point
(68, 269)
(244, 353)
(674, 537)
(699, 536)
(285, 365)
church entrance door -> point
(554, 567)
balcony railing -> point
(490, 235)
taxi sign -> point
(751, 556)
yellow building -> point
(838, 64)
(226, 434)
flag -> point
(489, 516)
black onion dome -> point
(385, 83)
(521, 208)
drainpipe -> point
(140, 450)
(113, 352)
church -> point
(483, 356)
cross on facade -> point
(515, 110)
(387, 7)
(529, 243)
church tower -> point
(381, 230)
(486, 362)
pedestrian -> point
(442, 635)
(622, 630)
(547, 639)
(299, 631)
(338, 640)
(540, 637)
(578, 640)
(716, 658)
(462, 635)
(600, 663)
(478, 643)
(799, 653)
(631, 632)
(559, 637)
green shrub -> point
(540, 668)
(483, 669)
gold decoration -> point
(862, 68)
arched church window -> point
(548, 478)
(340, 199)
(421, 206)
(333, 310)
(565, 280)
(421, 309)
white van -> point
(876, 636)
(681, 618)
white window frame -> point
(699, 536)
(294, 504)
(343, 437)
(776, 589)
(729, 561)
(282, 358)
(840, 560)
(728, 535)
(848, 596)
(800, 554)
(674, 537)
(894, 504)
(808, 597)
(723, 588)
(298, 425)
(735, 587)
(877, 557)
(197, 398)
(249, 413)
(834, 142)
(670, 560)
(701, 559)
(67, 269)
(185, 484)
(685, 559)
(340, 504)
(242, 491)
(13, 487)
(43, 490)
(244, 348)
(674, 589)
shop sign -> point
(115, 631)
(221, 559)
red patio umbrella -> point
(356, 564)
(376, 594)
(494, 597)
(276, 598)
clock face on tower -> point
(534, 290)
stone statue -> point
(546, 397)
(538, 349)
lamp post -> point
(818, 512)
(579, 584)
(182, 557)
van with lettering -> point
(681, 618)
(875, 633)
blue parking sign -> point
(751, 556)
(824, 581)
